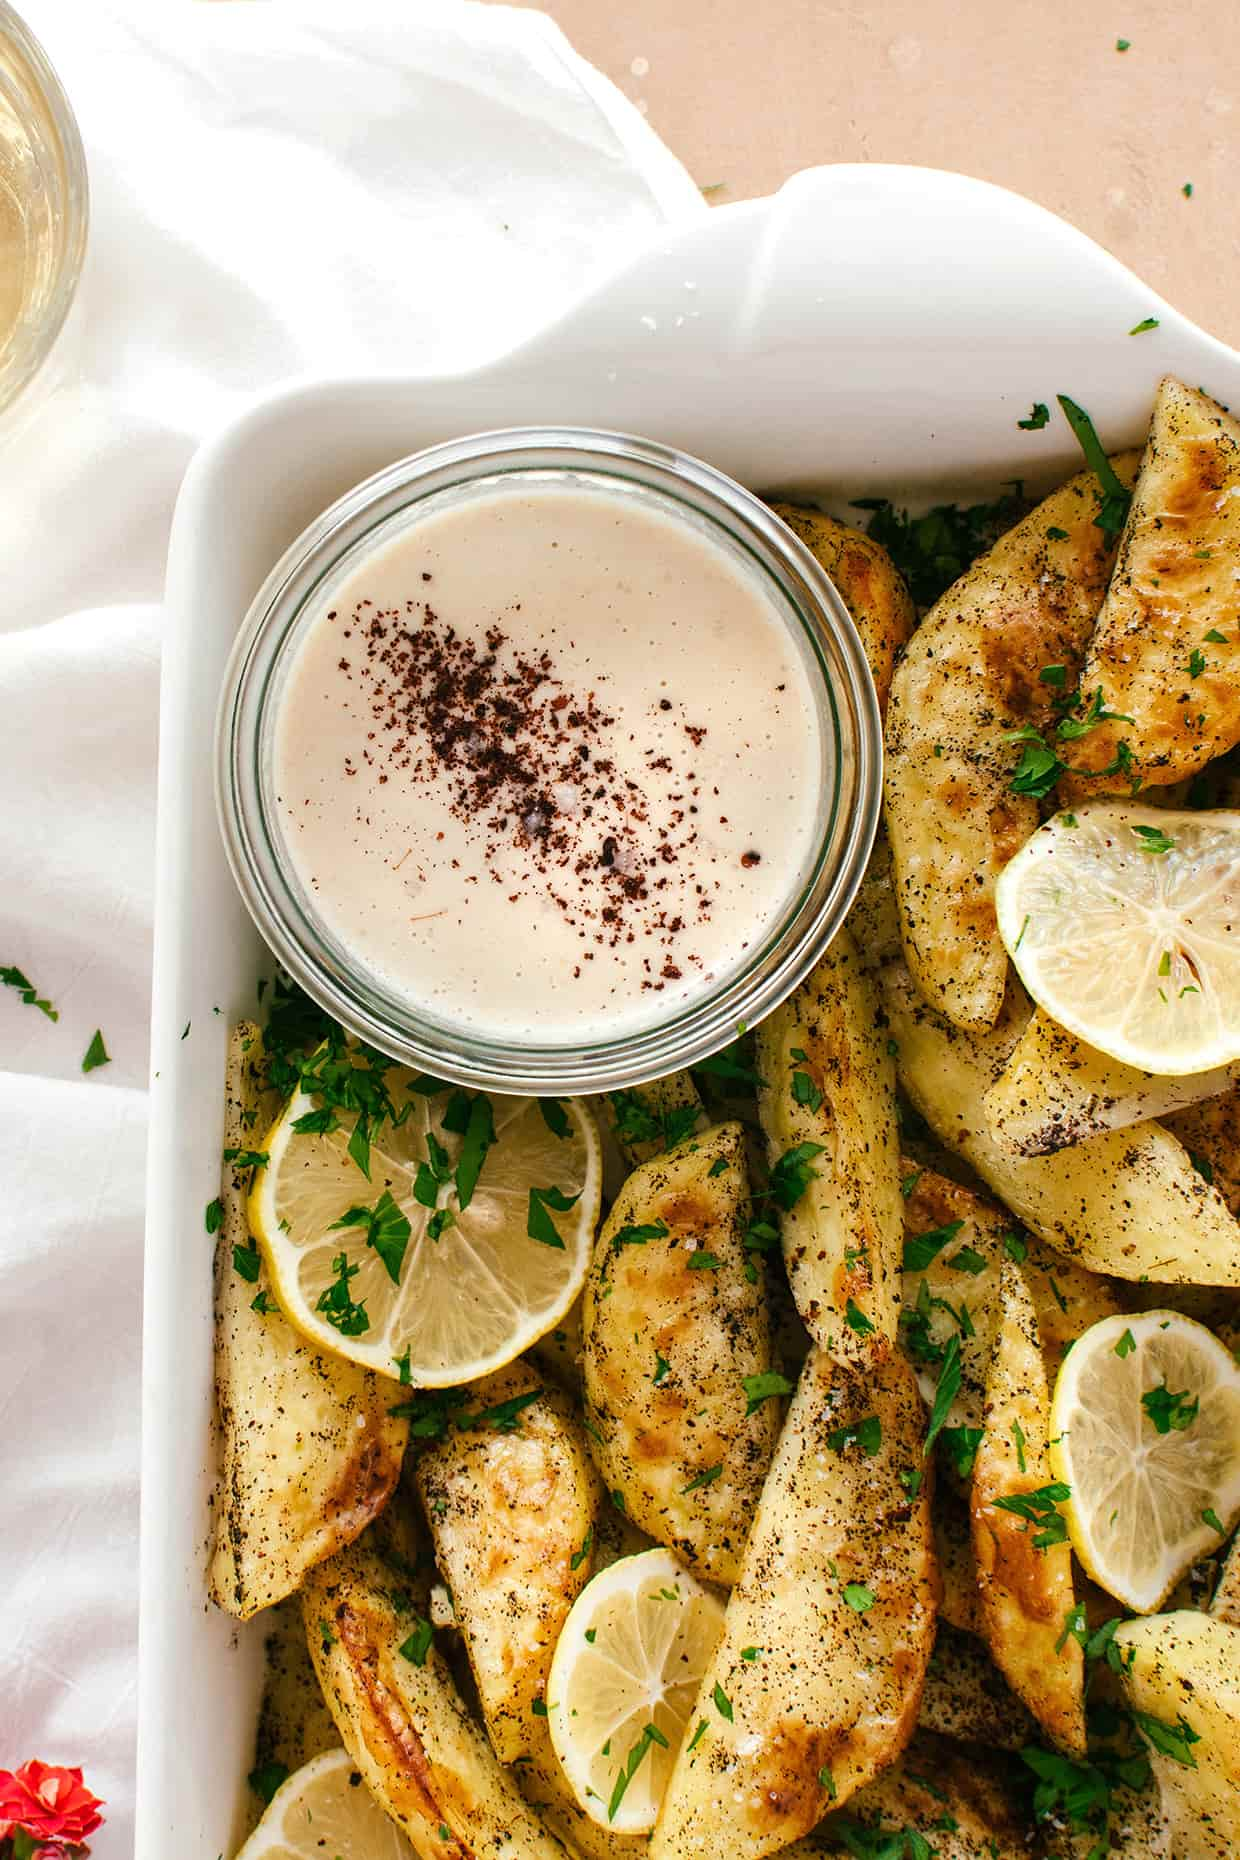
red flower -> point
(49, 1803)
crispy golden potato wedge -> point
(1055, 1091)
(542, 1782)
(1225, 1603)
(401, 1718)
(817, 1681)
(674, 1323)
(308, 1452)
(1181, 1674)
(1166, 649)
(294, 1723)
(969, 676)
(953, 1800)
(511, 1516)
(1026, 1593)
(868, 582)
(1128, 1202)
(873, 923)
(967, 1697)
(829, 1084)
(968, 1238)
(644, 1122)
(1210, 1132)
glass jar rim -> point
(843, 689)
(40, 340)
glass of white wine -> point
(43, 206)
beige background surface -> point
(1029, 93)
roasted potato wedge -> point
(1026, 1593)
(828, 1095)
(674, 1322)
(1181, 1674)
(1128, 1202)
(1165, 652)
(655, 1118)
(969, 1237)
(1210, 1132)
(952, 1800)
(967, 1697)
(511, 1515)
(970, 675)
(1055, 1091)
(401, 1718)
(543, 1783)
(308, 1451)
(816, 1683)
(868, 582)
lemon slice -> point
(1145, 1429)
(625, 1674)
(325, 1809)
(1124, 923)
(419, 1269)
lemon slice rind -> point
(1123, 922)
(464, 1303)
(325, 1807)
(1136, 1514)
(654, 1628)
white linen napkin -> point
(276, 189)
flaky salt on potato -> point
(308, 1450)
(1165, 653)
(676, 1344)
(970, 676)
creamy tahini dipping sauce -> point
(547, 762)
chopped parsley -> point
(555, 1117)
(1040, 1508)
(433, 1173)
(1203, 1166)
(1196, 662)
(706, 1477)
(539, 1224)
(336, 1303)
(404, 1372)
(650, 1735)
(96, 1053)
(723, 1704)
(866, 1434)
(698, 1735)
(636, 1123)
(247, 1263)
(933, 551)
(1170, 1740)
(479, 1135)
(432, 1411)
(387, 1231)
(1126, 1345)
(1039, 416)
(946, 1390)
(638, 1236)
(1153, 840)
(1147, 322)
(266, 1778)
(579, 1556)
(1122, 45)
(960, 1444)
(12, 977)
(792, 1174)
(763, 1387)
(967, 1260)
(922, 1249)
(661, 1369)
(214, 1216)
(804, 1091)
(1170, 1411)
(909, 1182)
(1016, 1247)
(730, 1066)
(704, 1262)
(1210, 1516)
(1018, 1439)
(1215, 638)
(856, 1319)
(1116, 498)
(419, 1643)
(858, 1597)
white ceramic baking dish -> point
(868, 330)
